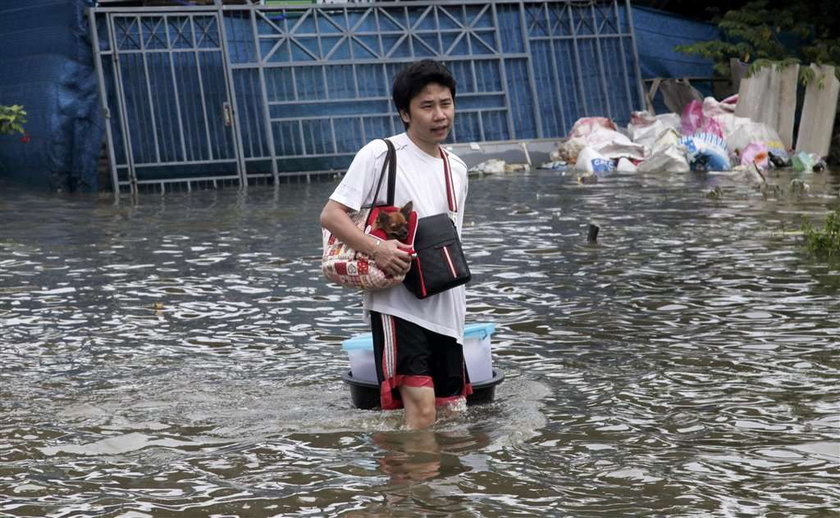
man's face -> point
(430, 115)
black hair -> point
(414, 78)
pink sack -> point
(642, 119)
(587, 125)
(712, 106)
(755, 152)
(695, 121)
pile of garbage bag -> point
(707, 136)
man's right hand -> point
(393, 257)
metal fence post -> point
(269, 132)
(126, 135)
(103, 102)
(231, 90)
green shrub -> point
(774, 33)
(12, 119)
(824, 243)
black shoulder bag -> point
(440, 263)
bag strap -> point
(450, 186)
(392, 170)
(390, 164)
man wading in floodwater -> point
(417, 342)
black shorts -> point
(407, 354)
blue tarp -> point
(46, 65)
(658, 32)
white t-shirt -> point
(420, 179)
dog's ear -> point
(407, 208)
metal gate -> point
(166, 80)
(242, 92)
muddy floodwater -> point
(181, 356)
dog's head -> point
(395, 224)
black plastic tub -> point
(365, 394)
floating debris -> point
(497, 166)
(515, 168)
(806, 162)
(591, 161)
(715, 194)
(491, 166)
(555, 165)
(592, 235)
(798, 187)
(778, 161)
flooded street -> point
(182, 356)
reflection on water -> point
(182, 355)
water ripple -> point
(183, 355)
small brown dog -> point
(394, 224)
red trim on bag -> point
(422, 280)
(450, 189)
(448, 259)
